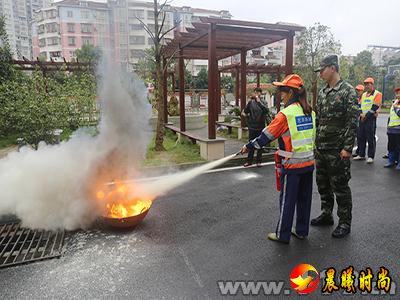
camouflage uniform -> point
(336, 121)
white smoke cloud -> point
(51, 188)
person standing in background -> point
(371, 100)
(255, 113)
(393, 132)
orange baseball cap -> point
(292, 80)
(360, 87)
(397, 89)
(369, 80)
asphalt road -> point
(214, 228)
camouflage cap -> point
(331, 60)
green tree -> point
(201, 80)
(227, 83)
(315, 43)
(89, 53)
(6, 69)
(157, 35)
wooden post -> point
(258, 79)
(212, 76)
(237, 85)
(243, 82)
(165, 90)
(289, 53)
(173, 82)
(219, 94)
(182, 91)
(278, 96)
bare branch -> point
(162, 25)
(146, 28)
(161, 7)
(169, 30)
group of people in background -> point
(323, 139)
(369, 101)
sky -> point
(355, 23)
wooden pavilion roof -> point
(232, 36)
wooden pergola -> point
(213, 39)
(251, 69)
(52, 66)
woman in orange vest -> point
(294, 127)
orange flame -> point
(120, 201)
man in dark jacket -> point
(255, 113)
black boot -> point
(341, 231)
(322, 220)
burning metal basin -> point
(122, 207)
(128, 222)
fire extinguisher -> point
(278, 170)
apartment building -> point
(130, 19)
(68, 25)
(16, 21)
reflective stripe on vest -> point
(302, 134)
(394, 119)
(367, 102)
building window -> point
(136, 40)
(85, 14)
(136, 13)
(70, 14)
(41, 29)
(52, 27)
(150, 14)
(71, 27)
(122, 27)
(136, 27)
(42, 43)
(86, 28)
(87, 40)
(72, 53)
(55, 54)
(137, 53)
(71, 41)
(151, 27)
(101, 15)
(52, 41)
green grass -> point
(8, 141)
(177, 152)
(384, 110)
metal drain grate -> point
(21, 245)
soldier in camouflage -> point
(336, 122)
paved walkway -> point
(213, 228)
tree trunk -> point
(160, 130)
(158, 89)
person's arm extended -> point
(273, 131)
(351, 120)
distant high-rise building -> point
(17, 26)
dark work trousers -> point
(367, 135)
(394, 146)
(358, 137)
(253, 133)
(296, 194)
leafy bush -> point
(34, 106)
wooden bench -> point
(230, 126)
(192, 137)
(210, 149)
